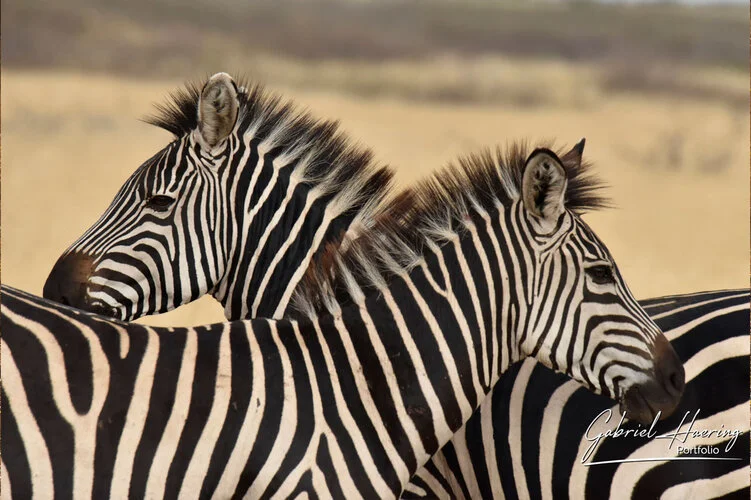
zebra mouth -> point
(644, 405)
(635, 406)
(102, 309)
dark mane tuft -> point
(429, 213)
(179, 114)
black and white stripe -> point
(347, 403)
(236, 208)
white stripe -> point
(367, 401)
(447, 473)
(710, 488)
(36, 450)
(84, 426)
(493, 302)
(442, 429)
(319, 484)
(488, 439)
(165, 452)
(201, 459)
(287, 422)
(387, 364)
(260, 244)
(550, 427)
(627, 475)
(686, 327)
(250, 426)
(341, 471)
(5, 486)
(236, 246)
(446, 355)
(516, 405)
(473, 291)
(435, 487)
(466, 468)
(124, 340)
(349, 424)
(728, 348)
(431, 280)
(291, 238)
(135, 420)
(308, 460)
(698, 305)
(301, 269)
(461, 319)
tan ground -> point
(678, 169)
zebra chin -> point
(659, 397)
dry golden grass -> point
(678, 169)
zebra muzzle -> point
(661, 394)
(66, 283)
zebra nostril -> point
(672, 376)
(676, 381)
(669, 369)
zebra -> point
(237, 205)
(528, 438)
(491, 264)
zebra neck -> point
(419, 356)
(281, 220)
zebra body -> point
(492, 265)
(527, 439)
(700, 321)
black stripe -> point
(14, 454)
(242, 385)
(323, 460)
(202, 397)
(161, 403)
(374, 374)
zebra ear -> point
(574, 157)
(544, 185)
(217, 109)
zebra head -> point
(241, 198)
(144, 242)
(583, 320)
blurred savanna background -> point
(659, 90)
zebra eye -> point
(160, 202)
(601, 274)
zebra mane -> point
(431, 213)
(324, 156)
